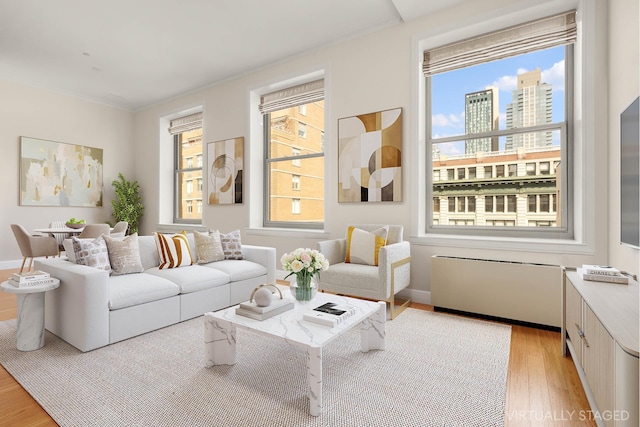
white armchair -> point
(381, 282)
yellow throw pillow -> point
(363, 246)
(173, 250)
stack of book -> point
(329, 314)
(252, 310)
(32, 278)
(602, 273)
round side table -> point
(30, 331)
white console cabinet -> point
(600, 328)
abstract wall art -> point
(226, 170)
(59, 174)
(370, 157)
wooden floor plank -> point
(540, 380)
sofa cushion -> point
(193, 278)
(173, 250)
(91, 252)
(363, 246)
(208, 247)
(238, 269)
(134, 289)
(124, 254)
(231, 245)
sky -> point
(449, 89)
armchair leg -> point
(392, 300)
(22, 266)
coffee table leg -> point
(314, 377)
(219, 342)
(373, 329)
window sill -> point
(504, 243)
(288, 232)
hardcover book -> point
(29, 276)
(263, 316)
(604, 270)
(623, 280)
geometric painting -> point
(59, 174)
(226, 167)
(370, 157)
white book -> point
(275, 304)
(38, 282)
(329, 314)
(622, 280)
(30, 276)
(604, 270)
(263, 316)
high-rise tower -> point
(531, 106)
(481, 115)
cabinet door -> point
(573, 319)
(599, 364)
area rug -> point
(436, 370)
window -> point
(461, 173)
(436, 204)
(295, 206)
(294, 149)
(503, 102)
(472, 173)
(436, 175)
(295, 152)
(452, 204)
(471, 203)
(302, 130)
(187, 140)
(450, 175)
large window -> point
(187, 139)
(294, 156)
(500, 104)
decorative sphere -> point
(262, 297)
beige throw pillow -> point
(363, 247)
(124, 254)
(208, 247)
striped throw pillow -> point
(173, 250)
(363, 246)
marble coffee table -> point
(30, 305)
(220, 334)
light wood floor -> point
(543, 388)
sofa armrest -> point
(335, 251)
(78, 310)
(390, 254)
(262, 255)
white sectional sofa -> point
(92, 309)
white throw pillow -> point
(124, 254)
(208, 247)
(363, 246)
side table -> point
(30, 305)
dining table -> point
(58, 230)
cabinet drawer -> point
(573, 313)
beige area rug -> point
(437, 370)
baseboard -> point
(497, 319)
(6, 265)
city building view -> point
(296, 186)
(516, 186)
(189, 175)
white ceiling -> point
(134, 53)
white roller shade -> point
(292, 96)
(528, 37)
(183, 124)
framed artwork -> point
(370, 157)
(225, 167)
(58, 174)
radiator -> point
(518, 291)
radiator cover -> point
(511, 290)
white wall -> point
(370, 73)
(624, 87)
(37, 113)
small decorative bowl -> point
(71, 225)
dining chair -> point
(33, 246)
(94, 230)
(120, 229)
(59, 236)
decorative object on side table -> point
(264, 306)
(304, 265)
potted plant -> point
(127, 206)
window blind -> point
(183, 124)
(528, 37)
(292, 96)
